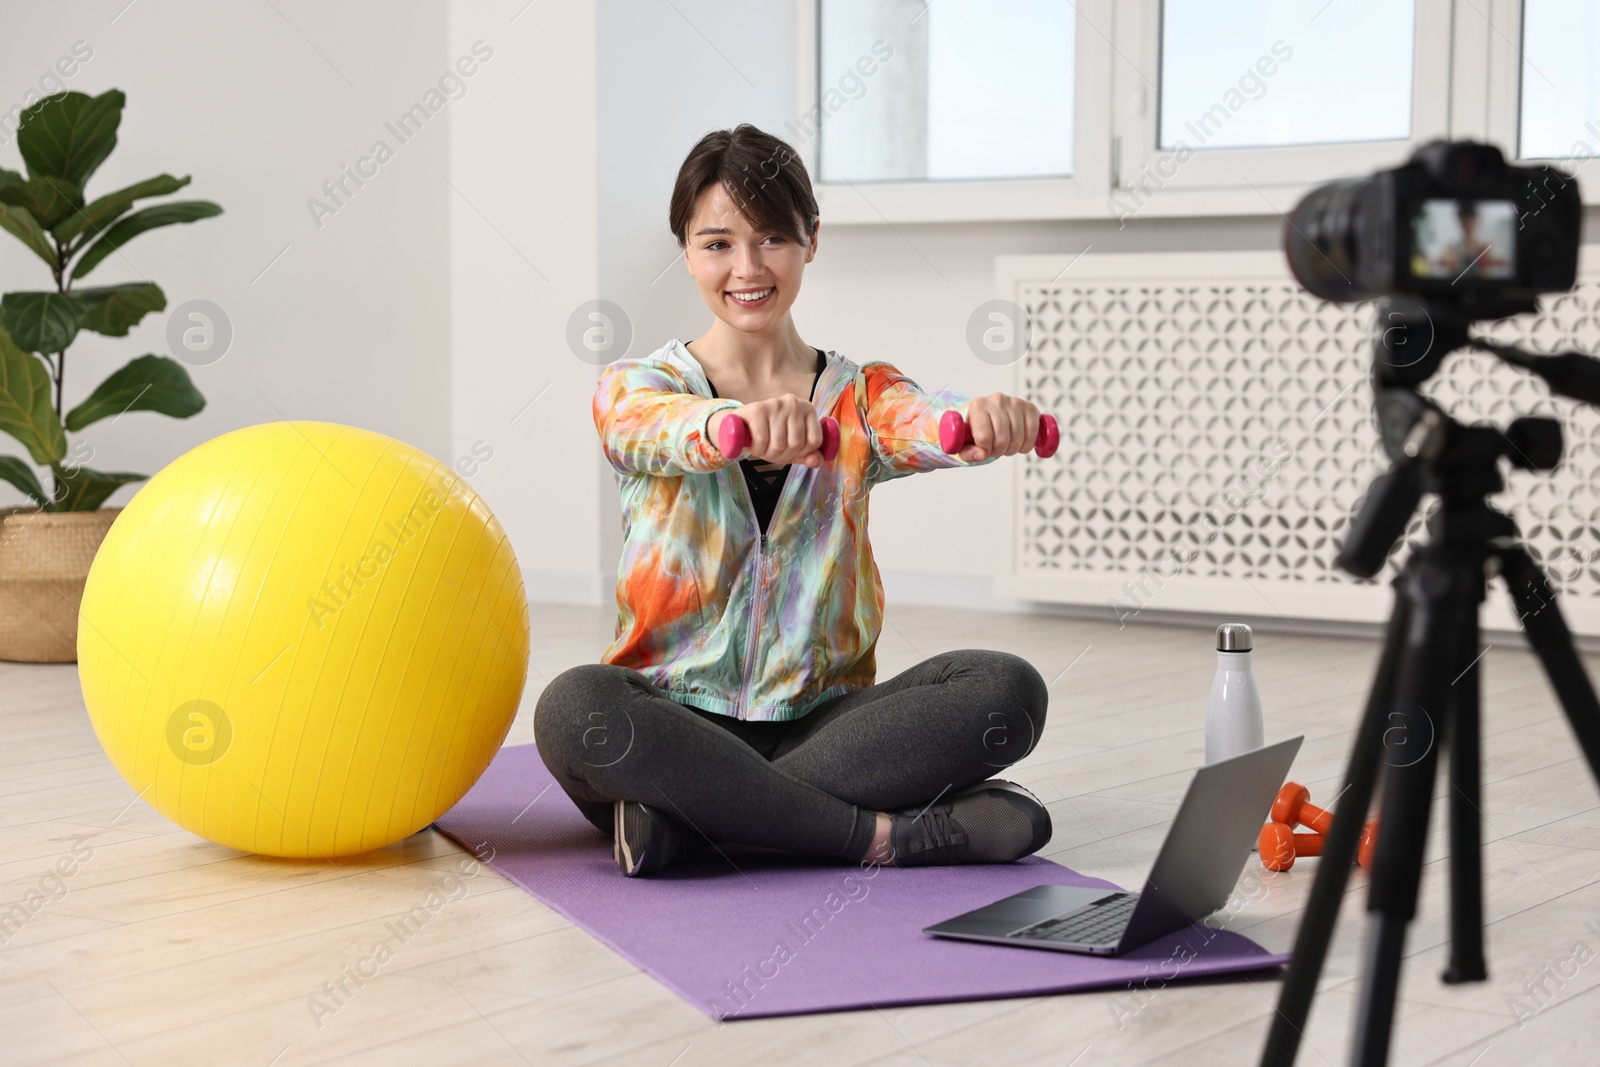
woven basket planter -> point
(44, 561)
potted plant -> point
(46, 546)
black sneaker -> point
(644, 839)
(991, 822)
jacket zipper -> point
(757, 597)
(756, 594)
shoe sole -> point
(619, 840)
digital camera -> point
(1456, 224)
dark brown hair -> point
(763, 176)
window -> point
(1027, 109)
(1271, 74)
(1560, 79)
(951, 90)
(1241, 107)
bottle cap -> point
(1233, 637)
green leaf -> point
(26, 412)
(9, 178)
(68, 135)
(21, 475)
(112, 309)
(48, 200)
(40, 322)
(102, 212)
(145, 219)
(25, 228)
(87, 489)
(149, 383)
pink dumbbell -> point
(733, 437)
(954, 434)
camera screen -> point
(1464, 240)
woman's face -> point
(727, 256)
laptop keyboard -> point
(1100, 922)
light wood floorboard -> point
(165, 949)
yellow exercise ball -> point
(303, 639)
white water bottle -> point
(1233, 721)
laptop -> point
(1195, 871)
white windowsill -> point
(1000, 201)
(878, 203)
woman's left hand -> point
(1000, 425)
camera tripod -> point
(1426, 690)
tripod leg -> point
(1386, 939)
(1466, 842)
(1547, 631)
(1338, 850)
(1440, 592)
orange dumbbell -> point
(1280, 846)
(1293, 807)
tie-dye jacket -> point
(718, 614)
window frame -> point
(1213, 175)
(1499, 111)
(1081, 195)
(1116, 128)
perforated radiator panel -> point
(1218, 436)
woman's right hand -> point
(783, 429)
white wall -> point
(351, 324)
(524, 254)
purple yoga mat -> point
(753, 932)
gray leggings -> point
(810, 784)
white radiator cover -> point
(1196, 384)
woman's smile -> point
(743, 297)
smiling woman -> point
(739, 699)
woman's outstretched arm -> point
(904, 424)
(650, 423)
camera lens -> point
(1320, 240)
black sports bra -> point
(766, 479)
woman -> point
(737, 701)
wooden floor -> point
(162, 949)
